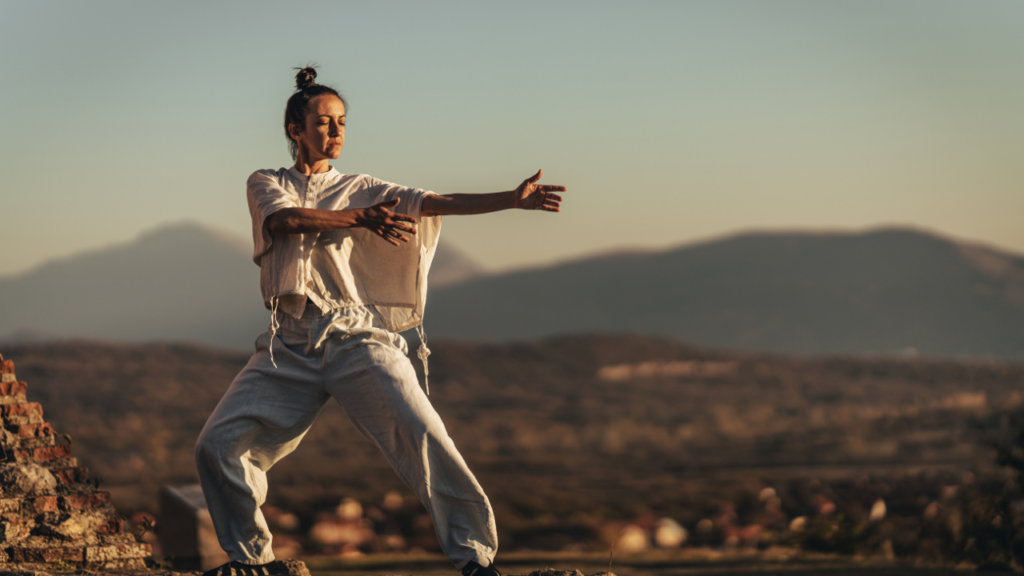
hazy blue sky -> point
(669, 121)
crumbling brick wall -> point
(50, 516)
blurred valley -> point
(574, 438)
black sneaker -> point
(275, 568)
(474, 569)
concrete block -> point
(186, 531)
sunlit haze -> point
(668, 121)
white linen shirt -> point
(341, 268)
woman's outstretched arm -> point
(528, 196)
(378, 218)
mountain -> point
(179, 282)
(883, 291)
(451, 266)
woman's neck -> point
(302, 164)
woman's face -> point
(323, 135)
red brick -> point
(43, 454)
(45, 504)
(47, 555)
(93, 500)
(52, 452)
(35, 430)
(59, 463)
(13, 388)
(41, 442)
(70, 476)
(21, 409)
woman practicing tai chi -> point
(343, 268)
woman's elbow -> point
(276, 223)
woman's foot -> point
(474, 569)
(275, 568)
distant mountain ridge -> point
(883, 291)
(179, 282)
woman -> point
(343, 265)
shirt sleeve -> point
(266, 196)
(410, 200)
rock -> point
(669, 534)
(554, 572)
(26, 480)
(8, 440)
(632, 539)
(292, 567)
(69, 528)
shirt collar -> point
(315, 178)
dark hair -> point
(295, 111)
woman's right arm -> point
(379, 219)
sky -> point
(670, 122)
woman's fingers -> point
(391, 238)
(383, 234)
(402, 217)
(392, 234)
(399, 224)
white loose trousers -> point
(265, 413)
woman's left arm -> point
(528, 196)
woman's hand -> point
(384, 223)
(532, 196)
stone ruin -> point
(51, 517)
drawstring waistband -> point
(423, 352)
(274, 325)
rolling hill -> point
(883, 291)
(181, 282)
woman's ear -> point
(294, 131)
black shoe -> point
(275, 568)
(474, 569)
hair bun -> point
(305, 78)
